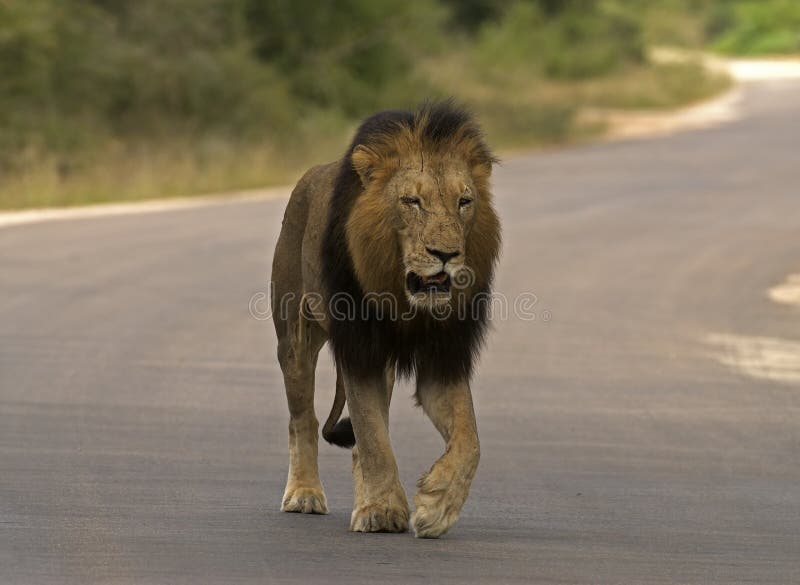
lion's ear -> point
(365, 161)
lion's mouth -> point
(437, 283)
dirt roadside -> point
(627, 124)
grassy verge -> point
(118, 101)
(178, 168)
(518, 111)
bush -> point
(571, 40)
(752, 27)
(76, 74)
(349, 55)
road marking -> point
(765, 358)
(11, 218)
(787, 292)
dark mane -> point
(444, 350)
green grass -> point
(659, 86)
(757, 27)
(172, 167)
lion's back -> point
(296, 263)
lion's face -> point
(426, 233)
(411, 227)
(435, 210)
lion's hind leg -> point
(298, 349)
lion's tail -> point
(335, 431)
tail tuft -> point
(341, 434)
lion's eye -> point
(413, 201)
(464, 201)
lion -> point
(406, 216)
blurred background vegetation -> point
(113, 99)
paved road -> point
(635, 437)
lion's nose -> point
(443, 256)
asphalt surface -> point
(143, 422)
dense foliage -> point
(752, 27)
(155, 86)
(74, 70)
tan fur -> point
(385, 237)
(444, 489)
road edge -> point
(28, 216)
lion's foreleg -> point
(444, 489)
(380, 502)
(358, 481)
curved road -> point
(644, 428)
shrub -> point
(576, 40)
(751, 27)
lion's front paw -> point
(437, 507)
(308, 500)
(380, 517)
